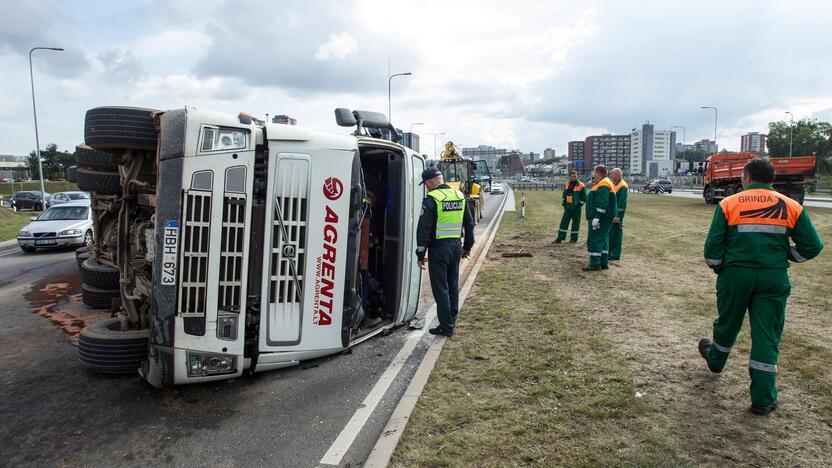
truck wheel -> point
(99, 181)
(710, 195)
(730, 190)
(798, 194)
(120, 127)
(82, 254)
(98, 275)
(103, 347)
(89, 158)
(97, 298)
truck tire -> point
(103, 347)
(710, 195)
(97, 275)
(99, 181)
(730, 190)
(81, 255)
(120, 127)
(97, 298)
(89, 158)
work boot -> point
(605, 267)
(763, 410)
(558, 241)
(573, 241)
(705, 346)
(440, 332)
(586, 268)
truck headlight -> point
(24, 234)
(71, 232)
(221, 138)
(204, 364)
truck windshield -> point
(64, 213)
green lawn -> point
(551, 366)
(11, 222)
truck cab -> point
(237, 241)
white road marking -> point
(348, 434)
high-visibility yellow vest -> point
(450, 211)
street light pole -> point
(35, 113)
(716, 114)
(389, 106)
(434, 142)
(791, 126)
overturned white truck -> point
(226, 244)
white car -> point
(66, 225)
(66, 197)
(497, 188)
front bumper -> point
(51, 242)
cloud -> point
(292, 45)
(339, 46)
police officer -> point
(445, 216)
(617, 229)
(574, 196)
(749, 247)
(600, 210)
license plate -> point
(46, 242)
(170, 253)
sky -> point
(524, 75)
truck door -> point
(305, 247)
(418, 165)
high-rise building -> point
(652, 152)
(753, 142)
(490, 154)
(708, 146)
(411, 140)
(609, 150)
(549, 153)
(576, 155)
(284, 119)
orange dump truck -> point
(723, 175)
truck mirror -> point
(344, 117)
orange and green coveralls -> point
(617, 229)
(601, 205)
(574, 196)
(753, 237)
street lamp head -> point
(57, 48)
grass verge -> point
(553, 366)
(11, 222)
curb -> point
(391, 434)
(8, 246)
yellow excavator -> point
(465, 175)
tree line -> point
(54, 162)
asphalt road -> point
(815, 202)
(56, 413)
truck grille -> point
(231, 255)
(288, 249)
(195, 245)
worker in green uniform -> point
(601, 208)
(574, 196)
(444, 220)
(617, 229)
(749, 248)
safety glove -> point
(596, 224)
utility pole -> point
(389, 106)
(716, 114)
(434, 142)
(35, 113)
(791, 126)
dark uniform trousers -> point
(443, 265)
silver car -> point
(65, 197)
(66, 225)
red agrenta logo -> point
(325, 271)
(333, 188)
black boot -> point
(763, 410)
(440, 332)
(558, 241)
(705, 346)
